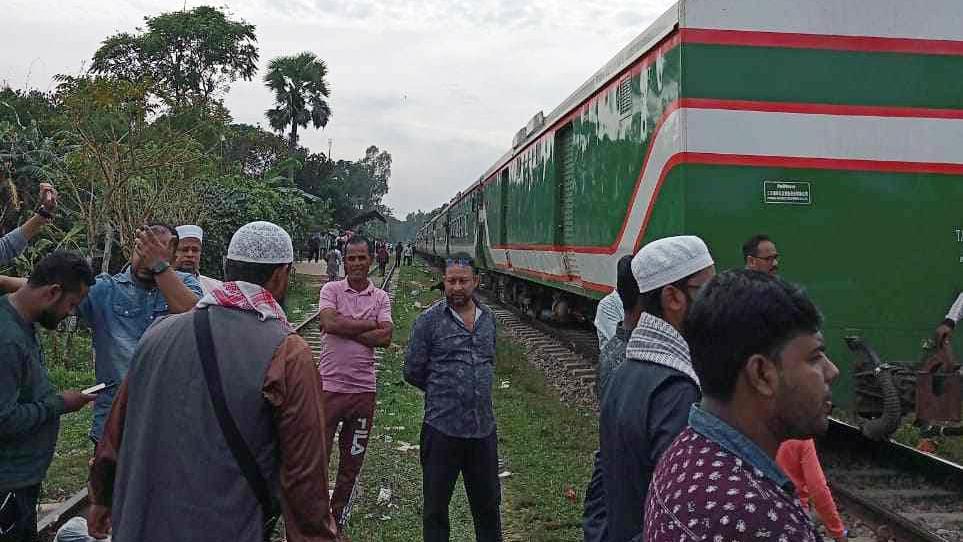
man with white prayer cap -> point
(169, 466)
(646, 404)
(188, 255)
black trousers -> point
(442, 459)
(26, 505)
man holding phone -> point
(30, 407)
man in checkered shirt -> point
(757, 348)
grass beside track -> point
(545, 446)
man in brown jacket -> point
(164, 469)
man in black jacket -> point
(646, 404)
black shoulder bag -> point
(239, 449)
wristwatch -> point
(160, 267)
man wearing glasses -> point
(646, 403)
(761, 255)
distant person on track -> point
(646, 402)
(760, 254)
(187, 258)
(30, 406)
(169, 467)
(760, 357)
(399, 249)
(408, 253)
(451, 357)
(610, 358)
(798, 460)
(15, 242)
(314, 247)
(356, 318)
(382, 256)
(120, 308)
(332, 261)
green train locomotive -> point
(834, 127)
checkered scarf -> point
(656, 341)
(246, 297)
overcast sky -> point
(443, 85)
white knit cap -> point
(668, 260)
(190, 231)
(261, 242)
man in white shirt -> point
(608, 315)
(188, 255)
(944, 331)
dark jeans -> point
(593, 518)
(442, 459)
(26, 503)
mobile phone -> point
(93, 390)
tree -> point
(191, 56)
(300, 95)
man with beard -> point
(120, 308)
(219, 418)
(647, 399)
(30, 407)
(190, 239)
(356, 318)
(760, 356)
(451, 357)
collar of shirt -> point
(736, 443)
(458, 317)
(6, 305)
(367, 291)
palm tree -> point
(300, 92)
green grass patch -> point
(301, 298)
(546, 446)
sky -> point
(442, 85)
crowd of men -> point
(214, 417)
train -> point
(834, 127)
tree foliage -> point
(300, 94)
(191, 56)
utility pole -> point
(329, 149)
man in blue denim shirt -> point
(451, 357)
(120, 308)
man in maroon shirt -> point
(757, 348)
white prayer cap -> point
(668, 260)
(261, 242)
(189, 230)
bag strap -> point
(239, 449)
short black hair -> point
(68, 269)
(626, 285)
(357, 240)
(739, 314)
(751, 246)
(460, 258)
(255, 273)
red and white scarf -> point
(246, 296)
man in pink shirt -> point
(356, 318)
